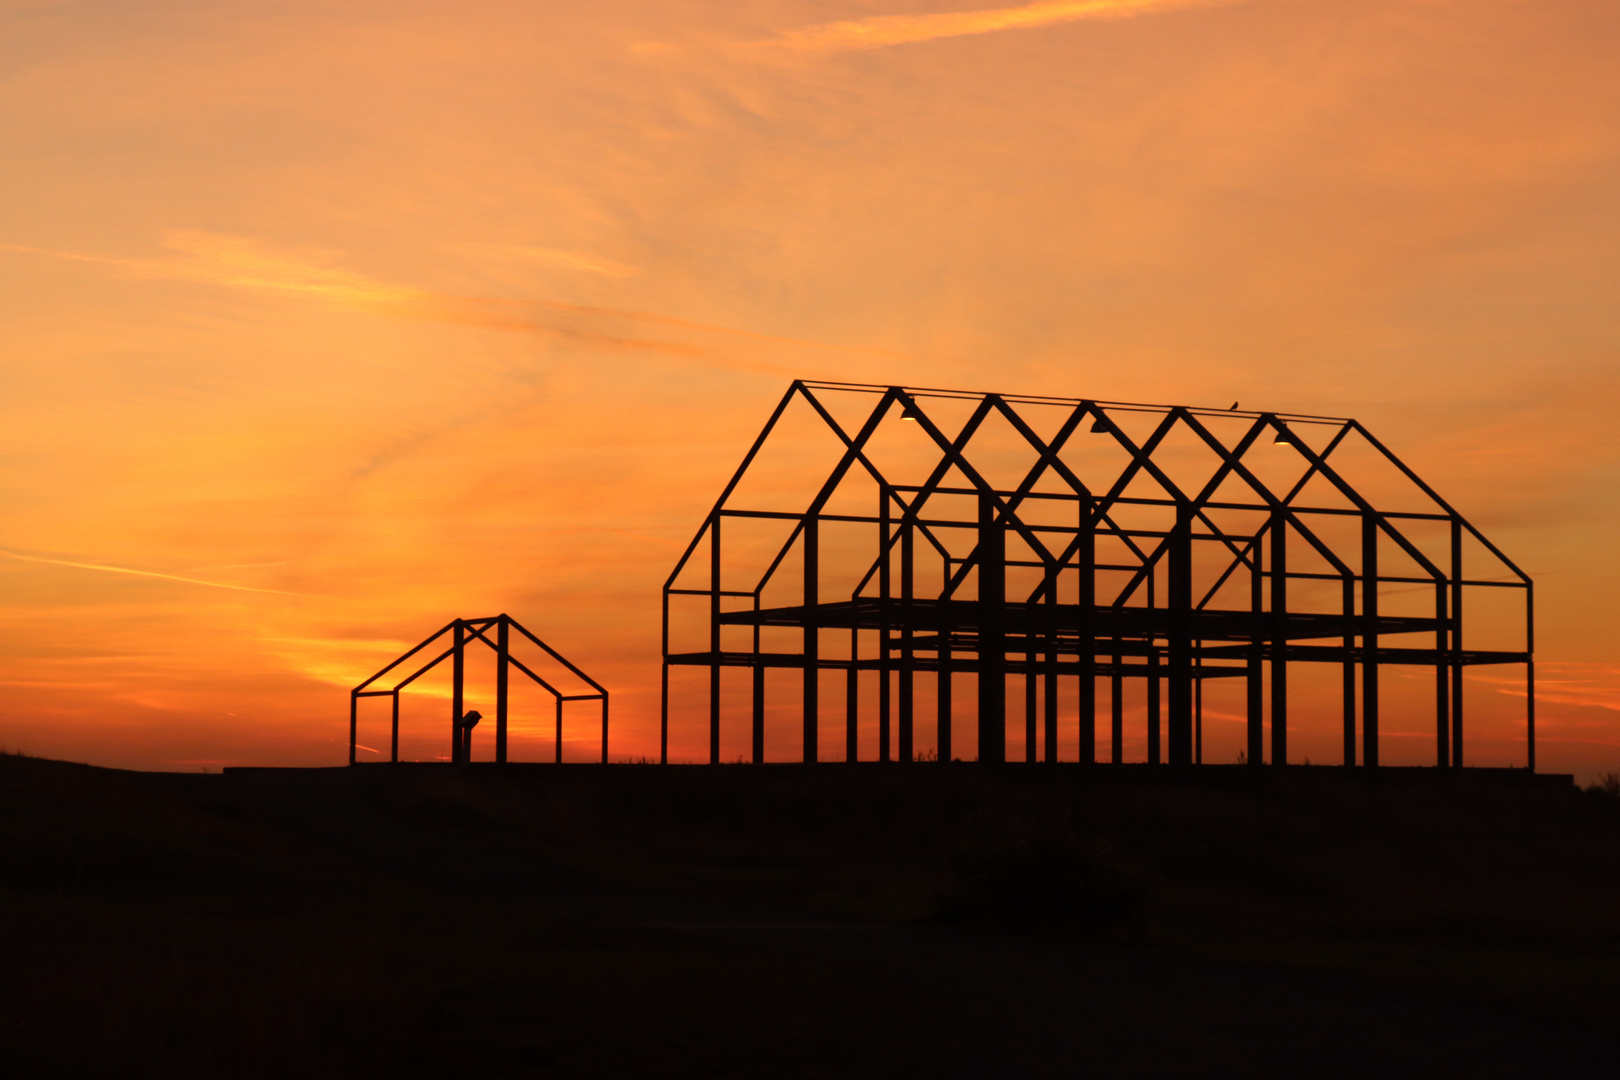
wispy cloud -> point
(569, 260)
(214, 259)
(881, 31)
(141, 573)
(1593, 685)
(243, 263)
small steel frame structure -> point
(463, 632)
(1173, 587)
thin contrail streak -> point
(231, 263)
(880, 31)
(142, 573)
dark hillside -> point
(742, 921)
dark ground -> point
(782, 921)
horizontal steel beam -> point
(1014, 665)
(1020, 619)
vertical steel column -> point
(393, 742)
(757, 735)
(1457, 642)
(1087, 603)
(663, 711)
(757, 717)
(1031, 702)
(1529, 677)
(1049, 701)
(557, 749)
(1279, 637)
(1347, 691)
(852, 697)
(663, 686)
(503, 652)
(458, 677)
(885, 695)
(992, 633)
(604, 727)
(354, 722)
(714, 642)
(1442, 680)
(1198, 718)
(1369, 641)
(885, 600)
(1179, 643)
(1049, 677)
(1256, 751)
(812, 635)
(1116, 705)
(908, 637)
(944, 700)
(1155, 721)
(757, 705)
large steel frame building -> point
(1135, 545)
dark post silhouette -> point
(1442, 679)
(908, 655)
(1369, 641)
(1087, 601)
(458, 676)
(992, 558)
(1347, 687)
(1198, 719)
(714, 642)
(1179, 641)
(1279, 638)
(1031, 702)
(757, 732)
(1155, 717)
(1255, 751)
(1049, 673)
(503, 651)
(1457, 646)
(1116, 706)
(852, 694)
(469, 720)
(1529, 680)
(812, 634)
(885, 600)
(557, 739)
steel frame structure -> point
(463, 632)
(1168, 635)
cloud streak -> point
(141, 573)
(237, 262)
(882, 31)
(568, 260)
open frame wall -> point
(496, 633)
(1050, 549)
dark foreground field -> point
(778, 921)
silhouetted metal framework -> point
(461, 633)
(1148, 617)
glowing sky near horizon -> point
(320, 324)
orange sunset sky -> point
(322, 323)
